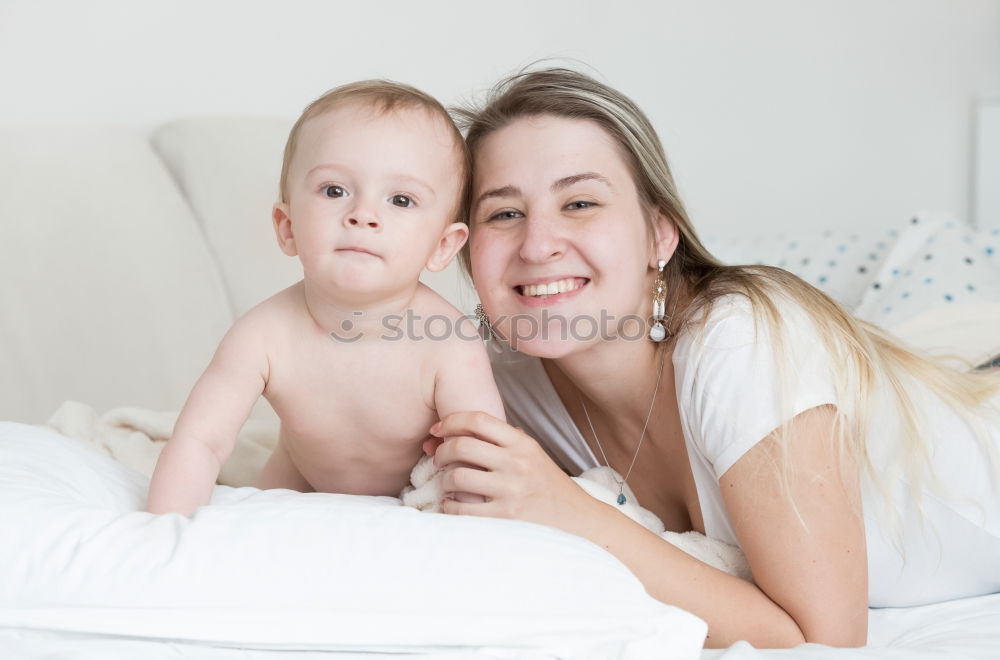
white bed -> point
(86, 574)
(961, 630)
(179, 259)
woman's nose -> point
(542, 241)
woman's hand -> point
(514, 473)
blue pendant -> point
(621, 498)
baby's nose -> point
(363, 221)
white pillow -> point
(284, 570)
(935, 265)
(839, 262)
(228, 169)
(109, 293)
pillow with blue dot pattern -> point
(839, 262)
(933, 265)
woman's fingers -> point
(488, 457)
(456, 508)
(475, 423)
(470, 450)
(468, 480)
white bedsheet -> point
(966, 629)
(959, 630)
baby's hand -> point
(431, 445)
(426, 489)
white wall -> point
(774, 112)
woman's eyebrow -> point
(565, 182)
(506, 191)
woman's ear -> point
(452, 239)
(665, 238)
(283, 229)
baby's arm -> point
(205, 432)
(465, 382)
(464, 379)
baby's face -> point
(370, 196)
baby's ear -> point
(283, 229)
(452, 239)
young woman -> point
(852, 472)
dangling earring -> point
(659, 332)
(486, 329)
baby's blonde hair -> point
(865, 357)
(382, 96)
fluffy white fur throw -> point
(135, 437)
(425, 493)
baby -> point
(371, 189)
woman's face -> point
(560, 247)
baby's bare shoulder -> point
(428, 302)
(278, 311)
(452, 333)
(262, 329)
(463, 378)
(269, 333)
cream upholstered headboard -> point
(986, 168)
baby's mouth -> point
(356, 250)
(553, 288)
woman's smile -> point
(548, 291)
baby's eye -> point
(402, 201)
(334, 191)
(507, 214)
(580, 204)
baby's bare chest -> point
(351, 399)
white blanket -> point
(135, 437)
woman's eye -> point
(334, 191)
(580, 204)
(402, 201)
(505, 215)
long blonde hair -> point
(868, 355)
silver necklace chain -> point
(642, 436)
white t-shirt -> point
(728, 387)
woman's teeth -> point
(552, 288)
